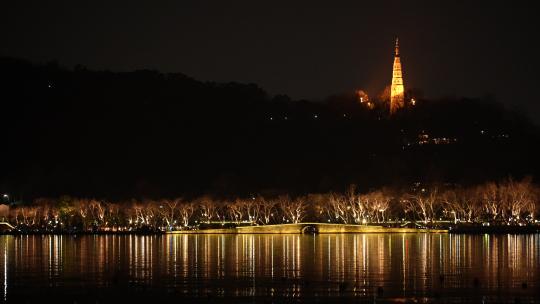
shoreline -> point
(305, 228)
(308, 228)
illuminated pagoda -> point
(397, 98)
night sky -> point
(306, 49)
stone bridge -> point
(309, 228)
(5, 226)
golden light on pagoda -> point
(397, 90)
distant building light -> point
(413, 101)
(315, 116)
(362, 96)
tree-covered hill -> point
(145, 133)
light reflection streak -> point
(281, 265)
(5, 268)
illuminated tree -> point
(236, 210)
(424, 205)
(378, 203)
(167, 210)
(186, 210)
(337, 208)
(82, 207)
(45, 215)
(266, 210)
(318, 206)
(489, 193)
(450, 204)
(252, 210)
(208, 209)
(516, 196)
(137, 217)
(293, 211)
(114, 217)
(533, 204)
(470, 204)
(462, 205)
(358, 206)
(26, 216)
(63, 212)
(150, 214)
(97, 211)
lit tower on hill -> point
(397, 98)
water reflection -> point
(293, 266)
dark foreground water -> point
(375, 268)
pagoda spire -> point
(397, 90)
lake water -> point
(380, 268)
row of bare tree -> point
(506, 202)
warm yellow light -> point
(362, 96)
(397, 88)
